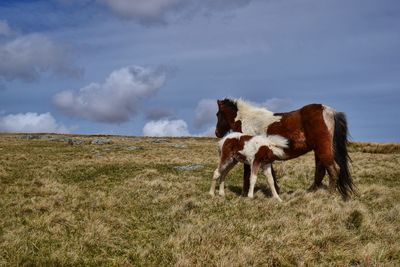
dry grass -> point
(91, 205)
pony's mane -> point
(230, 103)
(255, 120)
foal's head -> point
(227, 111)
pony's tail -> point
(345, 183)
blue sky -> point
(156, 67)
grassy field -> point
(126, 204)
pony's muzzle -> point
(218, 134)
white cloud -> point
(157, 11)
(27, 56)
(278, 104)
(4, 28)
(210, 132)
(117, 99)
(205, 113)
(31, 123)
(166, 128)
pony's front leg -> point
(270, 179)
(253, 178)
(246, 179)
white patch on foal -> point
(254, 120)
(276, 143)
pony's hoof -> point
(315, 187)
(211, 194)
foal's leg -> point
(215, 177)
(320, 171)
(253, 178)
(268, 173)
(220, 173)
(224, 171)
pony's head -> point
(227, 112)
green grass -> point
(103, 205)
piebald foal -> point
(256, 151)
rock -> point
(160, 141)
(179, 145)
(29, 137)
(101, 141)
(68, 140)
(35, 137)
(191, 167)
(76, 142)
(134, 148)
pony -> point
(257, 151)
(314, 127)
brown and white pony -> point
(257, 151)
(313, 127)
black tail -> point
(345, 183)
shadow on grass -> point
(235, 189)
(264, 189)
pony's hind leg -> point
(320, 171)
(268, 173)
(275, 179)
(333, 172)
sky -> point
(157, 67)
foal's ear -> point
(219, 102)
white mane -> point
(255, 120)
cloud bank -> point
(117, 99)
(166, 128)
(4, 28)
(158, 11)
(31, 123)
(26, 57)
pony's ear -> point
(219, 102)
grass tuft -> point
(354, 221)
